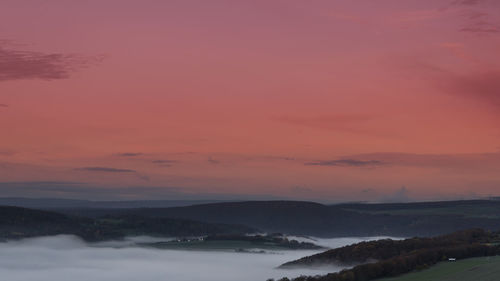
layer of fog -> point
(64, 257)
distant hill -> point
(468, 208)
(355, 219)
(56, 203)
(16, 222)
(291, 217)
(20, 222)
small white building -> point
(452, 259)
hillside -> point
(386, 258)
(387, 248)
(18, 222)
(314, 219)
(467, 208)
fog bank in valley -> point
(64, 257)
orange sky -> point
(317, 100)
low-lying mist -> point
(65, 257)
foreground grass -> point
(474, 269)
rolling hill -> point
(314, 219)
(16, 222)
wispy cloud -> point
(477, 16)
(42, 188)
(164, 162)
(400, 195)
(472, 161)
(467, 2)
(346, 162)
(111, 170)
(42, 183)
(481, 27)
(20, 64)
(6, 152)
(484, 86)
(213, 161)
(473, 15)
(81, 190)
(129, 154)
(352, 123)
(105, 170)
(479, 161)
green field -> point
(474, 269)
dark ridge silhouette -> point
(314, 219)
(18, 223)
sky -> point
(367, 100)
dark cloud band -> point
(345, 162)
(17, 64)
(105, 169)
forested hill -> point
(386, 258)
(356, 219)
(387, 248)
(18, 222)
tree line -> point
(399, 257)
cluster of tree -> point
(276, 239)
(460, 245)
(387, 248)
(138, 225)
(18, 223)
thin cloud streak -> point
(350, 123)
(213, 161)
(164, 161)
(105, 169)
(467, 2)
(19, 64)
(480, 161)
(129, 154)
(346, 163)
(481, 28)
(483, 87)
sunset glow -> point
(313, 100)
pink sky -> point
(329, 100)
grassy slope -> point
(474, 269)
